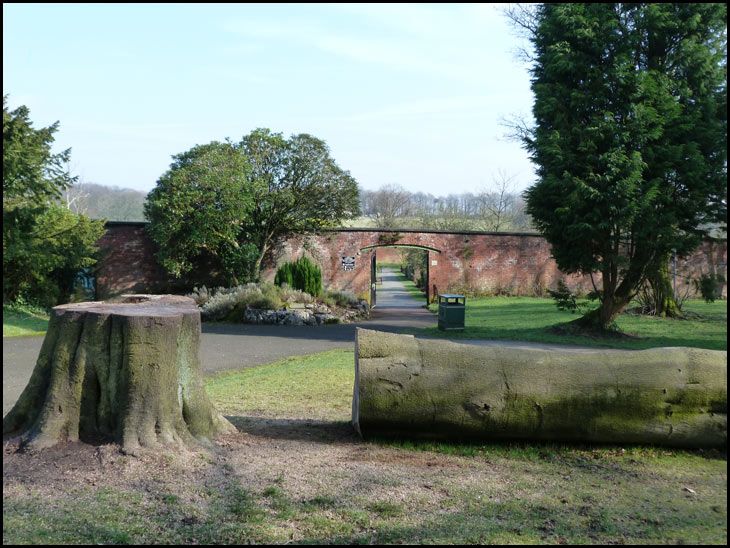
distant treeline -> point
(105, 202)
(499, 210)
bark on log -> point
(127, 372)
(443, 390)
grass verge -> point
(411, 287)
(534, 319)
(313, 387)
(20, 321)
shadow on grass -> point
(539, 322)
(318, 431)
(552, 335)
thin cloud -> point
(422, 107)
(441, 43)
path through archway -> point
(415, 262)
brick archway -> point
(411, 246)
(428, 250)
(489, 263)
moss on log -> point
(440, 389)
(127, 371)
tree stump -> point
(440, 389)
(127, 372)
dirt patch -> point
(308, 459)
(280, 480)
(417, 460)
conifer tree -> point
(630, 137)
(44, 246)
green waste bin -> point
(452, 309)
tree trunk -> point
(440, 389)
(127, 372)
(662, 293)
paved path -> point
(392, 294)
(236, 346)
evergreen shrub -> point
(302, 274)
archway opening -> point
(410, 264)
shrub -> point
(710, 286)
(266, 298)
(339, 298)
(302, 275)
(565, 299)
(229, 303)
(284, 275)
(221, 305)
(289, 295)
(200, 295)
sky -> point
(408, 94)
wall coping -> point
(390, 230)
(433, 231)
(126, 223)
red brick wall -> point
(389, 255)
(129, 264)
(489, 262)
(711, 258)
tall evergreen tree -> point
(44, 246)
(630, 139)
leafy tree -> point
(47, 249)
(31, 173)
(299, 188)
(199, 207)
(234, 200)
(630, 137)
(44, 245)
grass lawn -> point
(22, 321)
(297, 473)
(531, 319)
(311, 386)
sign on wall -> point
(348, 263)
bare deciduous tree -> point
(497, 206)
(387, 205)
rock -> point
(310, 314)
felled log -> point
(128, 372)
(434, 389)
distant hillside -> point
(106, 202)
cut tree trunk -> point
(414, 388)
(127, 372)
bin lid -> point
(452, 296)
